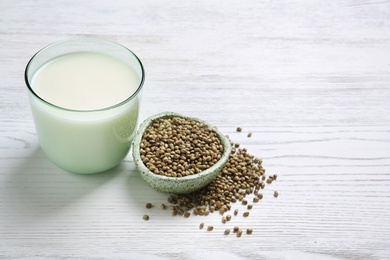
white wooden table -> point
(310, 79)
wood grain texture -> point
(309, 79)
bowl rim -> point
(144, 170)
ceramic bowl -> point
(178, 185)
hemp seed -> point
(178, 147)
(148, 205)
(145, 217)
(201, 225)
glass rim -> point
(138, 90)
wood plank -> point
(309, 79)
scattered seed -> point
(249, 231)
(201, 225)
(145, 217)
(275, 177)
(148, 205)
(235, 229)
(276, 194)
(227, 231)
(239, 178)
(172, 199)
(180, 147)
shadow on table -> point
(139, 192)
(37, 188)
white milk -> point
(93, 138)
(85, 81)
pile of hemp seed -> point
(180, 146)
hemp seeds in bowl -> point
(179, 154)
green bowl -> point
(178, 185)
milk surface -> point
(85, 81)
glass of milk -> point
(85, 95)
